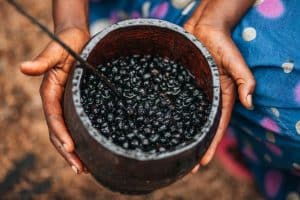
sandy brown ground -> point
(30, 167)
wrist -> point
(65, 26)
(72, 14)
(221, 14)
(212, 23)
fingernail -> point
(75, 169)
(249, 101)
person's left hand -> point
(233, 70)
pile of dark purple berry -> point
(168, 107)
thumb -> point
(235, 65)
(49, 58)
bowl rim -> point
(133, 154)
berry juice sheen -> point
(169, 107)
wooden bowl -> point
(129, 171)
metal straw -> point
(77, 57)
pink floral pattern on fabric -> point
(135, 15)
(274, 149)
(249, 153)
(297, 93)
(270, 124)
(160, 10)
(271, 8)
(273, 182)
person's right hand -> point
(56, 63)
(236, 78)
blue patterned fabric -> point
(104, 12)
(268, 37)
(269, 136)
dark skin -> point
(211, 23)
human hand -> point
(56, 63)
(233, 70)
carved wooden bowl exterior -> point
(129, 171)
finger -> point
(49, 58)
(54, 55)
(195, 169)
(236, 66)
(227, 105)
(71, 158)
(51, 93)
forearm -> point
(225, 14)
(70, 14)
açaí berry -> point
(169, 108)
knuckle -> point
(84, 35)
(220, 53)
(252, 82)
(203, 32)
(188, 26)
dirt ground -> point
(30, 167)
